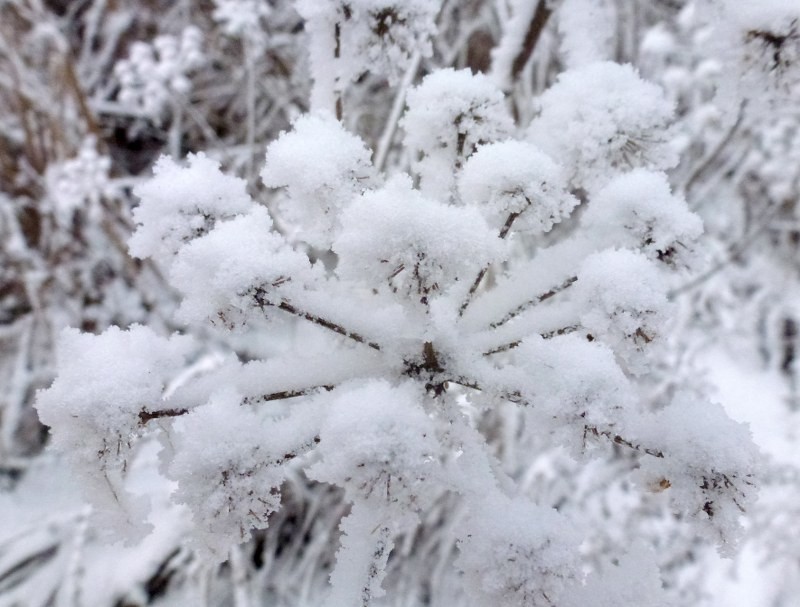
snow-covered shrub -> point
(71, 154)
(437, 306)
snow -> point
(382, 359)
(181, 203)
(638, 210)
(228, 464)
(762, 73)
(379, 444)
(626, 303)
(154, 73)
(570, 380)
(516, 177)
(79, 182)
(379, 36)
(322, 168)
(419, 245)
(634, 580)
(601, 119)
(449, 114)
(514, 27)
(94, 407)
(528, 552)
(588, 31)
(237, 266)
(239, 17)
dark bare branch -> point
(147, 416)
(540, 17)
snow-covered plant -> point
(241, 17)
(621, 123)
(762, 46)
(154, 73)
(79, 182)
(316, 192)
(352, 37)
(449, 115)
(438, 302)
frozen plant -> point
(762, 46)
(349, 38)
(241, 17)
(154, 73)
(79, 182)
(466, 285)
(620, 124)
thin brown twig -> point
(262, 302)
(474, 287)
(532, 302)
(619, 440)
(147, 416)
(285, 394)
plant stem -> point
(532, 302)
